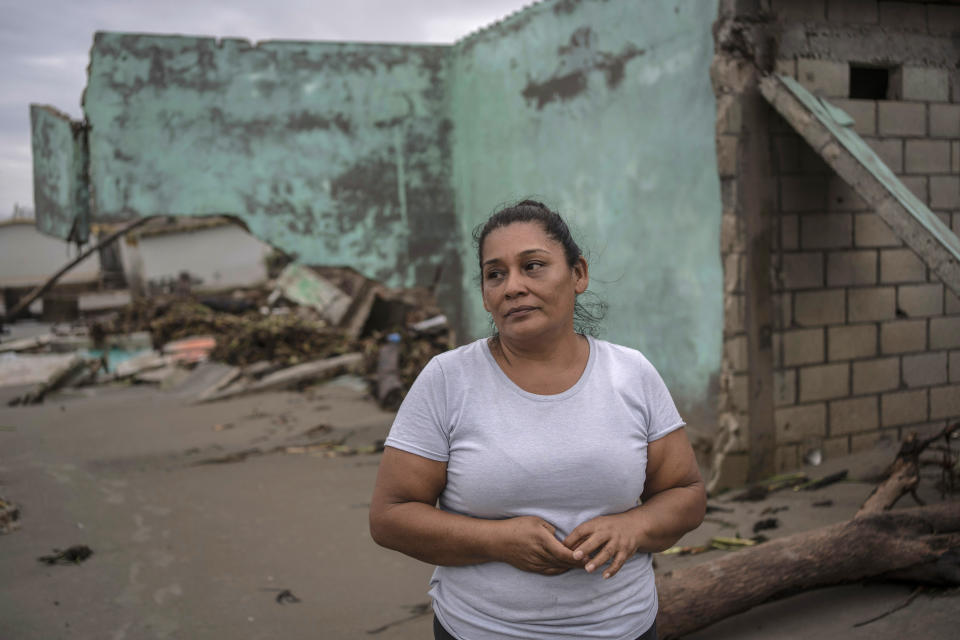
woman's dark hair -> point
(586, 316)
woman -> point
(559, 461)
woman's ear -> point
(582, 276)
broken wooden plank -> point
(291, 376)
(828, 130)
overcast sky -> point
(45, 44)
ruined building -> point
(769, 189)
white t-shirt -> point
(565, 458)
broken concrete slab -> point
(138, 364)
(26, 344)
(59, 377)
(302, 285)
(221, 379)
(829, 131)
(20, 369)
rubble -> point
(291, 376)
(310, 324)
(9, 516)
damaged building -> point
(769, 189)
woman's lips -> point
(519, 311)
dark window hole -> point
(869, 83)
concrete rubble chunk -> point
(831, 136)
(57, 379)
(140, 363)
(302, 285)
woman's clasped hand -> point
(530, 544)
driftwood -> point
(904, 474)
(920, 544)
(925, 540)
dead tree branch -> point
(921, 542)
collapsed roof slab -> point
(829, 131)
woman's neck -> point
(546, 371)
(546, 350)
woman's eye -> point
(533, 266)
(493, 275)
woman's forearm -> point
(663, 518)
(423, 532)
(426, 533)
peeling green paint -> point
(60, 186)
(607, 114)
(324, 149)
(384, 157)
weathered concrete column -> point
(745, 443)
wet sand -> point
(185, 547)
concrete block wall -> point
(866, 339)
(731, 461)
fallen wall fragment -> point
(828, 130)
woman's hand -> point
(673, 502)
(528, 543)
(605, 539)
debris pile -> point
(9, 516)
(309, 324)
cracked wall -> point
(604, 111)
(336, 152)
(384, 157)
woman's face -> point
(528, 287)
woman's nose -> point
(514, 285)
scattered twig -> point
(712, 508)
(721, 522)
(761, 490)
(773, 510)
(416, 611)
(902, 605)
(822, 482)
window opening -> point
(869, 83)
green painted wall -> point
(604, 110)
(384, 157)
(337, 152)
(60, 187)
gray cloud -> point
(45, 45)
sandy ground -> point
(186, 547)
